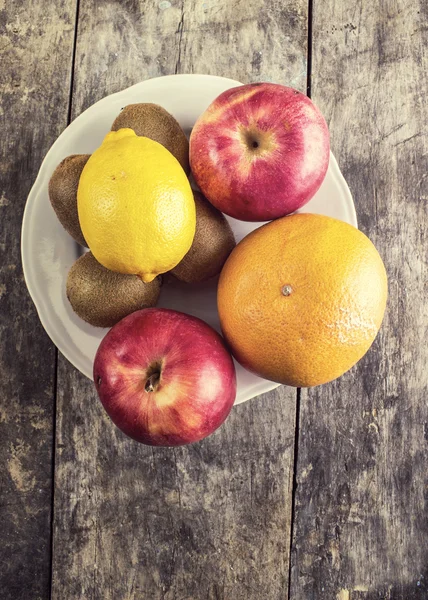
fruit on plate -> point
(101, 297)
(301, 299)
(212, 244)
(260, 151)
(154, 122)
(63, 194)
(165, 378)
(136, 206)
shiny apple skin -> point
(197, 385)
(278, 176)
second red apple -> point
(165, 378)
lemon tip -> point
(147, 277)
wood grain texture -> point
(122, 43)
(35, 58)
(210, 520)
(206, 521)
(361, 528)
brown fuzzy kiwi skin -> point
(101, 297)
(63, 194)
(212, 244)
(153, 121)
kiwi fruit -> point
(153, 121)
(63, 194)
(102, 297)
(212, 244)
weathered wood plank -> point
(122, 43)
(207, 521)
(211, 520)
(36, 55)
(361, 527)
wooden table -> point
(315, 494)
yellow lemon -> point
(135, 205)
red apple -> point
(260, 151)
(165, 378)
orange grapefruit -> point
(302, 298)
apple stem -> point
(152, 382)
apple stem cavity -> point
(152, 382)
(252, 140)
(257, 141)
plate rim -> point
(43, 173)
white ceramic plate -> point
(48, 251)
